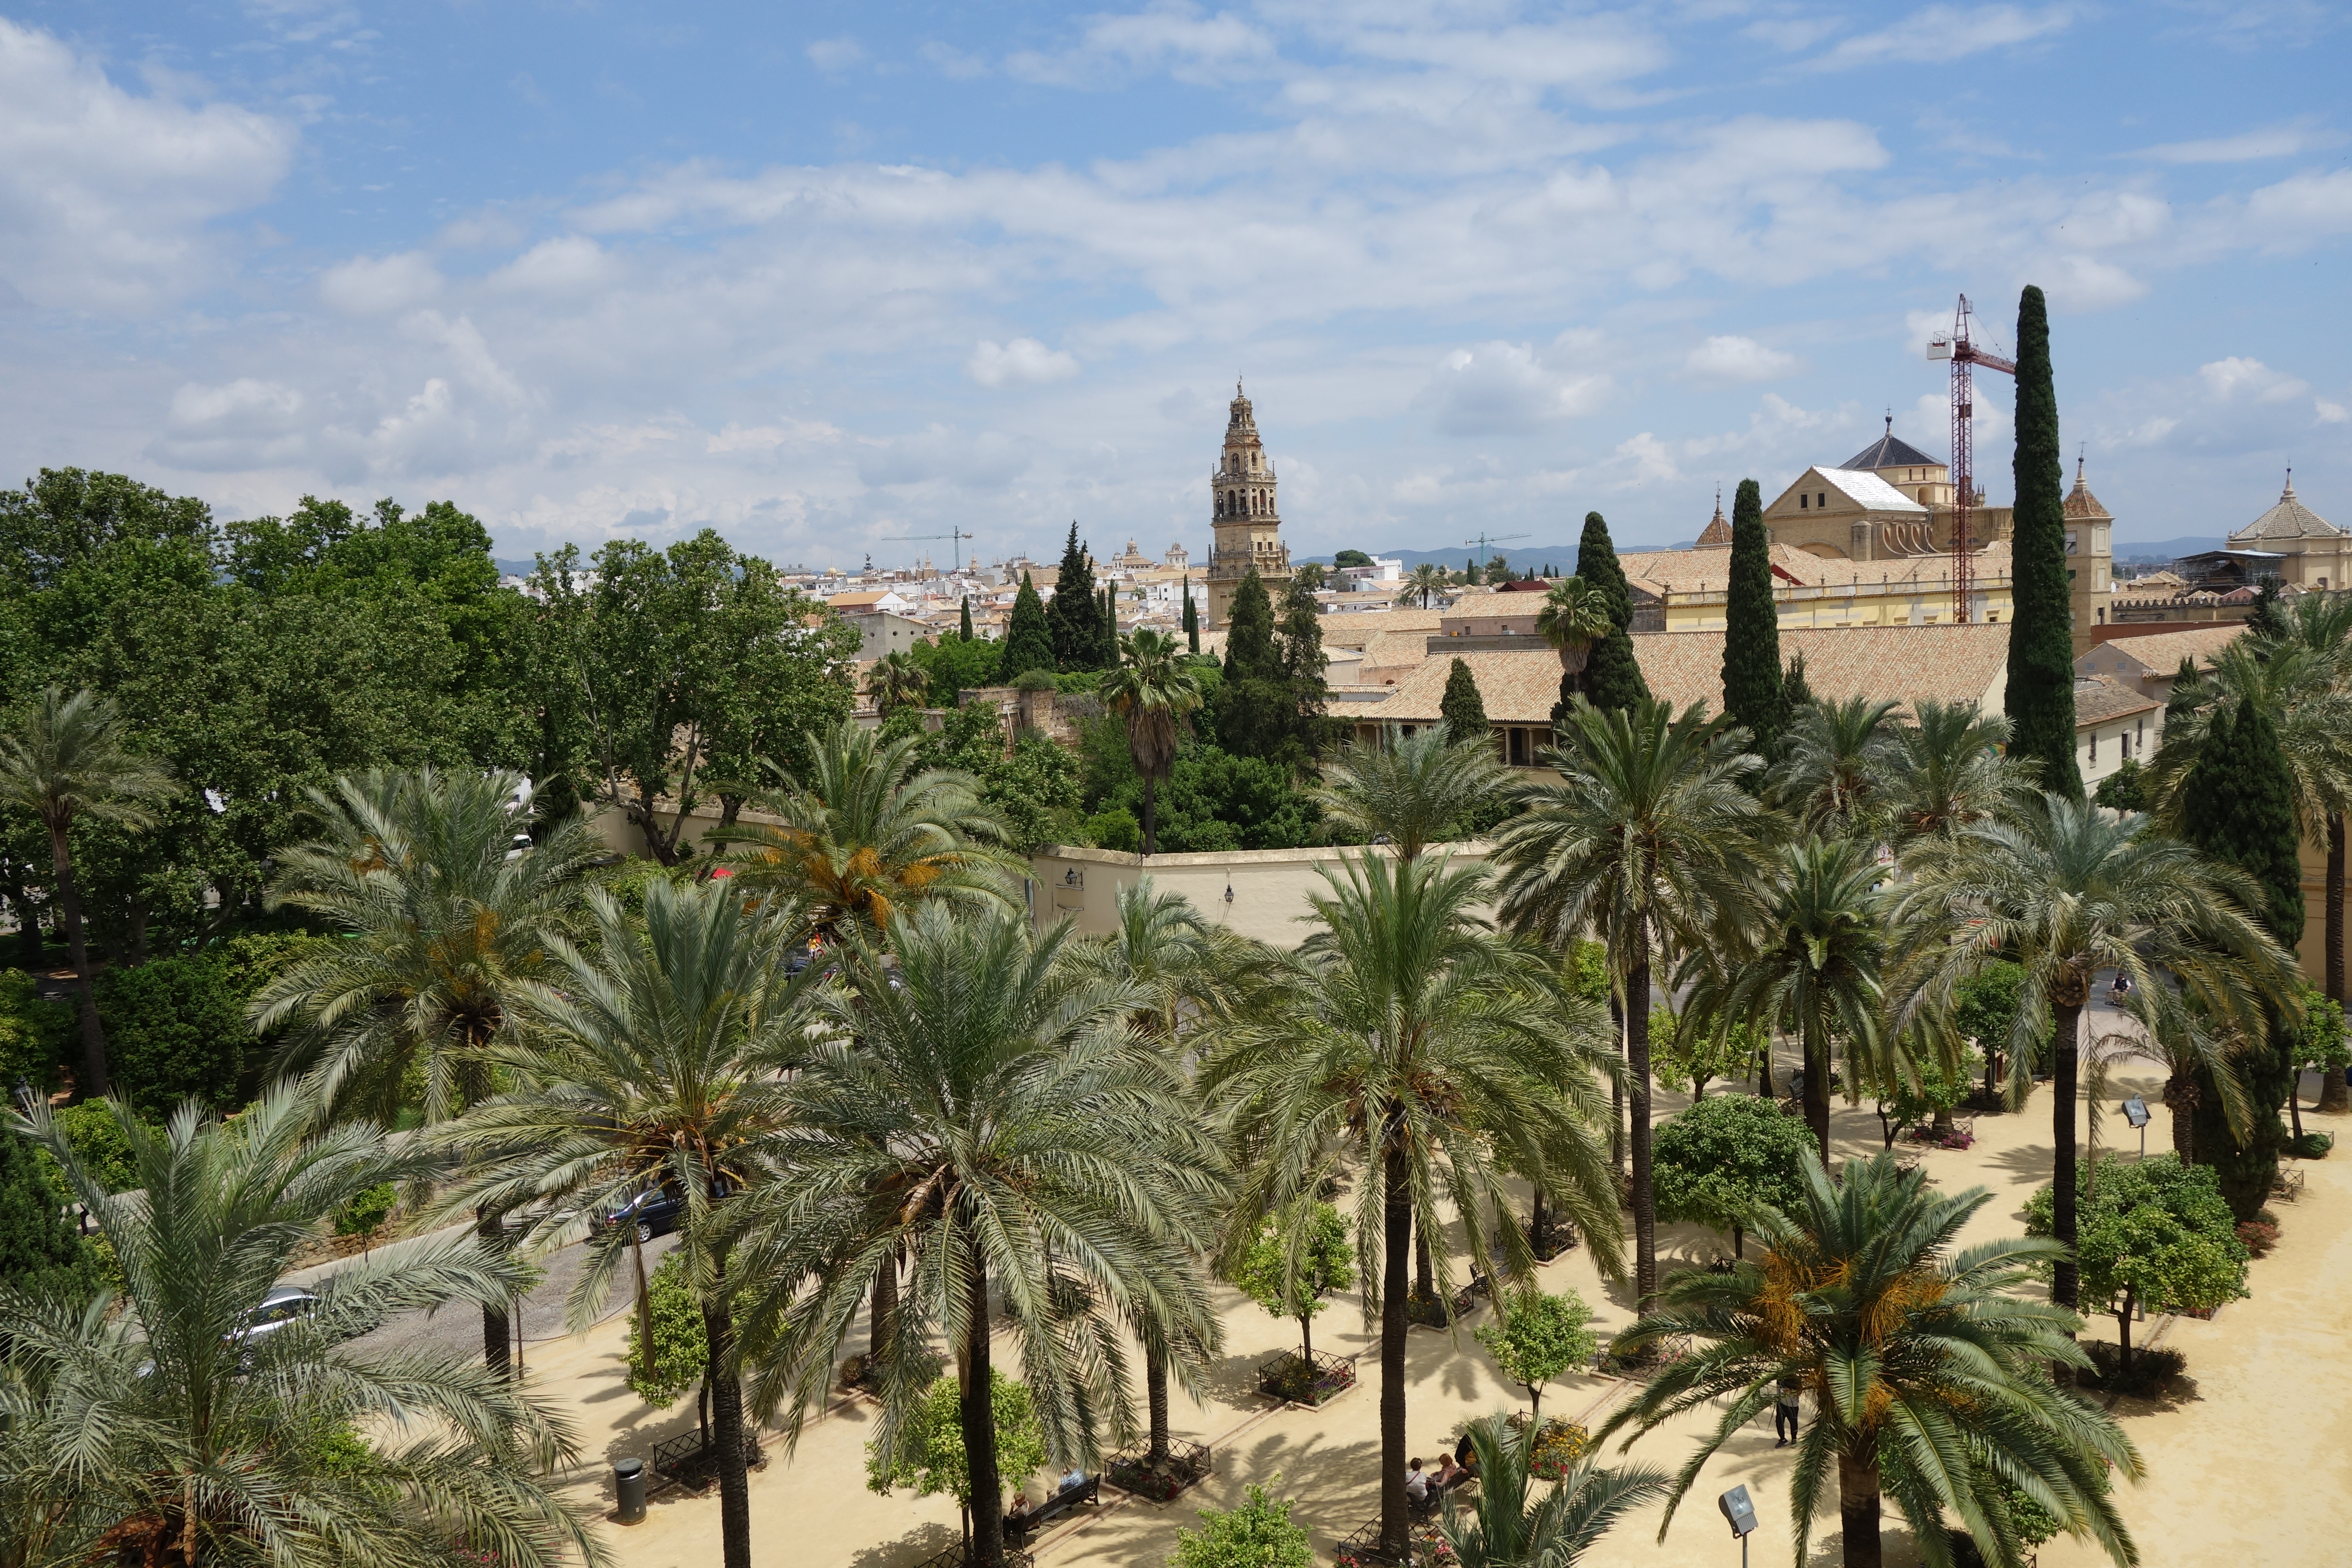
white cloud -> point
(1174, 37)
(1728, 361)
(2229, 378)
(379, 286)
(2246, 146)
(836, 54)
(106, 196)
(1021, 363)
(1507, 389)
(1940, 34)
(243, 423)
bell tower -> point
(1242, 515)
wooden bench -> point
(1062, 1499)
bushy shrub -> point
(681, 1348)
(98, 1142)
(1115, 830)
(367, 1210)
(2313, 1145)
(1258, 1534)
(172, 1032)
(2149, 1369)
(36, 1035)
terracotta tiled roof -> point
(1694, 571)
(2081, 503)
(1355, 628)
(2289, 519)
(1951, 664)
(2098, 699)
(2160, 653)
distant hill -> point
(515, 568)
(2163, 550)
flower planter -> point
(1294, 1380)
(1187, 1465)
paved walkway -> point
(2248, 1462)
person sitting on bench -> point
(1416, 1484)
(1448, 1475)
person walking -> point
(1784, 1414)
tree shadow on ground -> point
(923, 1540)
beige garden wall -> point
(1270, 887)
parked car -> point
(654, 1213)
(284, 1304)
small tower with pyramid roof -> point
(1242, 516)
(2090, 558)
(2312, 552)
(1717, 532)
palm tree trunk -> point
(1637, 1073)
(1764, 1069)
(727, 1415)
(885, 1307)
(1424, 1278)
(1396, 1247)
(2334, 1097)
(498, 1341)
(93, 1079)
(1817, 1090)
(1858, 1510)
(2065, 1285)
(1306, 1338)
(1155, 1393)
(977, 1414)
(1151, 816)
(1617, 1093)
(2180, 1098)
(1536, 1227)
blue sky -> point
(819, 275)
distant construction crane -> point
(954, 536)
(1483, 538)
(1963, 351)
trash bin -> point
(629, 1490)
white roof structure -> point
(1869, 492)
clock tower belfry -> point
(1247, 527)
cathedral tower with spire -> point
(1247, 527)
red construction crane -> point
(1963, 351)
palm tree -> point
(1152, 692)
(863, 835)
(2320, 625)
(1646, 841)
(1946, 770)
(1411, 791)
(1505, 1529)
(2065, 888)
(1183, 968)
(647, 1066)
(1427, 582)
(997, 1120)
(70, 760)
(446, 908)
(1414, 1053)
(1811, 967)
(1838, 753)
(1575, 616)
(173, 1432)
(1925, 1367)
(896, 681)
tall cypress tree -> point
(1191, 616)
(1254, 710)
(1751, 633)
(2041, 698)
(1470, 572)
(2241, 808)
(1303, 665)
(1110, 624)
(1028, 640)
(1075, 617)
(1464, 710)
(965, 629)
(1611, 677)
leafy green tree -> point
(1463, 711)
(1074, 619)
(165, 1431)
(2318, 1046)
(2155, 1233)
(931, 1456)
(176, 1034)
(691, 665)
(1413, 792)
(1255, 707)
(1912, 1353)
(983, 1107)
(1723, 1159)
(1535, 1337)
(441, 918)
(1292, 1282)
(1411, 1053)
(1505, 1530)
(647, 1064)
(1036, 790)
(1611, 677)
(1752, 636)
(1646, 842)
(93, 1129)
(2064, 889)
(41, 1250)
(2041, 694)
(1154, 695)
(1687, 1054)
(1351, 558)
(36, 1035)
(2125, 789)
(680, 1351)
(1796, 692)
(953, 666)
(1257, 1534)
(68, 760)
(1028, 637)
